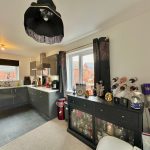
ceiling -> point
(80, 18)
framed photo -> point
(80, 89)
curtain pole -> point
(74, 49)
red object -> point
(60, 108)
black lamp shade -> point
(49, 30)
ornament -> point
(132, 80)
(100, 89)
(115, 79)
(87, 94)
(108, 96)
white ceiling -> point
(80, 18)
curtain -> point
(62, 73)
(101, 62)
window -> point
(9, 73)
(80, 67)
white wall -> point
(129, 47)
(24, 64)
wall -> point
(24, 64)
(129, 47)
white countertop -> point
(44, 89)
(11, 87)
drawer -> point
(86, 105)
(122, 118)
(104, 112)
(71, 100)
(82, 104)
(127, 119)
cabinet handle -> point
(66, 108)
(84, 105)
(122, 116)
(101, 110)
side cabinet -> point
(91, 119)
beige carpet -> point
(50, 136)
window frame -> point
(80, 53)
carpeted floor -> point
(50, 136)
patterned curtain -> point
(101, 62)
(62, 73)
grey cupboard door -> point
(6, 98)
(42, 102)
(32, 68)
(21, 96)
(39, 100)
(32, 96)
(53, 61)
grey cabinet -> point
(33, 71)
(6, 98)
(53, 61)
(21, 96)
(13, 97)
(53, 97)
(32, 96)
(44, 102)
(39, 100)
(32, 67)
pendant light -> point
(43, 23)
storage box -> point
(146, 88)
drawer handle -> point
(66, 108)
(122, 116)
(101, 110)
(84, 105)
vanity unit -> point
(42, 99)
(92, 118)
